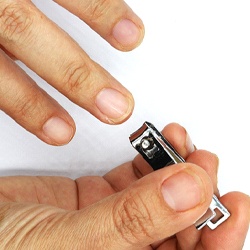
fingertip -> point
(184, 186)
(175, 194)
(115, 107)
(58, 131)
(127, 34)
(179, 138)
(240, 206)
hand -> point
(130, 207)
(29, 36)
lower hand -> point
(130, 207)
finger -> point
(232, 233)
(32, 107)
(178, 136)
(189, 237)
(125, 220)
(209, 162)
(112, 19)
(92, 189)
(52, 54)
(60, 192)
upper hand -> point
(28, 35)
(128, 208)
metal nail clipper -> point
(159, 153)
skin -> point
(26, 34)
(118, 210)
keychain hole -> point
(219, 215)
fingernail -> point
(126, 32)
(189, 144)
(58, 130)
(182, 191)
(112, 103)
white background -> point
(192, 68)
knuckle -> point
(4, 236)
(75, 77)
(15, 19)
(28, 107)
(98, 9)
(132, 219)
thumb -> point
(155, 207)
